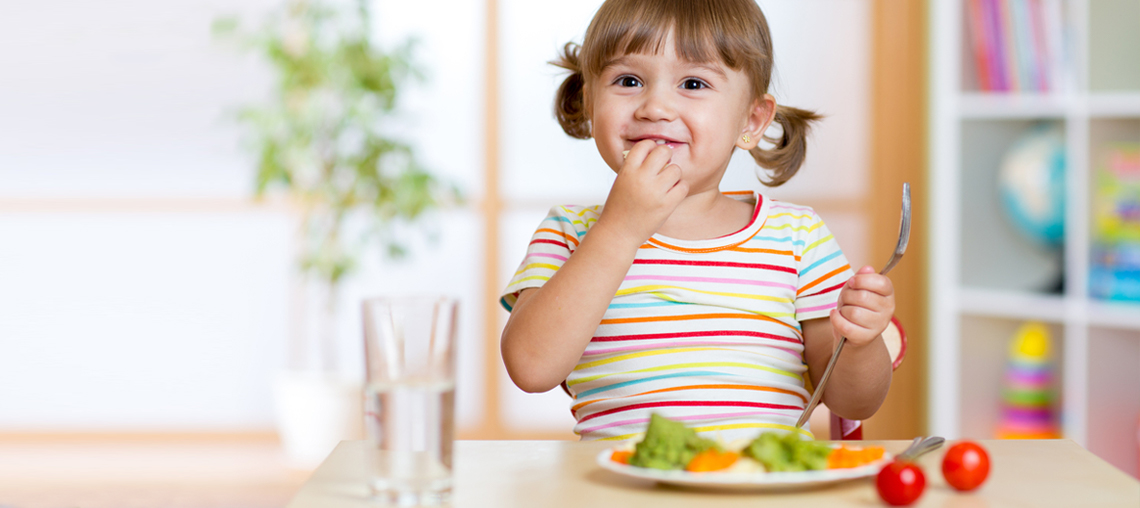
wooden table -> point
(563, 474)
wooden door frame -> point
(898, 154)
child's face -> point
(700, 109)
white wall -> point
(138, 289)
(119, 320)
(120, 98)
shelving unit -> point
(985, 280)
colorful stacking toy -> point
(1028, 396)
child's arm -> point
(550, 326)
(862, 375)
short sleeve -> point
(823, 269)
(551, 245)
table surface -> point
(1038, 473)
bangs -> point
(731, 32)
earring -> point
(746, 138)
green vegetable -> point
(787, 452)
(668, 445)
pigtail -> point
(785, 158)
(570, 102)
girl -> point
(673, 297)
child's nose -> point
(657, 105)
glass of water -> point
(409, 348)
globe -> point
(1031, 181)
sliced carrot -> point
(621, 456)
(844, 457)
(839, 458)
(711, 460)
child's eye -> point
(694, 84)
(627, 81)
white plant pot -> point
(315, 411)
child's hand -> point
(866, 304)
(645, 193)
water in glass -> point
(410, 399)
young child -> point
(675, 298)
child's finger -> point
(678, 188)
(859, 315)
(669, 176)
(865, 307)
(658, 158)
(636, 155)
(866, 299)
(874, 282)
(874, 317)
(853, 331)
(846, 327)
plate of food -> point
(673, 454)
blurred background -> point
(147, 300)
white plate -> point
(744, 480)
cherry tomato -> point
(966, 465)
(900, 483)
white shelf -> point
(980, 278)
(1114, 105)
(980, 105)
(1022, 305)
(1124, 316)
(1012, 305)
(976, 105)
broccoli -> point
(668, 445)
(787, 452)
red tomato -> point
(966, 465)
(900, 483)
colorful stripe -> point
(828, 275)
(707, 331)
(637, 421)
(548, 255)
(596, 352)
(689, 403)
(650, 379)
(712, 280)
(656, 288)
(722, 264)
(690, 317)
(682, 366)
(551, 242)
(570, 238)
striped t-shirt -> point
(702, 331)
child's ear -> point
(760, 115)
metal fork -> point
(921, 446)
(900, 248)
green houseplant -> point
(325, 137)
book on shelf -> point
(1017, 45)
(1115, 270)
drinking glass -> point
(409, 349)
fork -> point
(900, 248)
(921, 446)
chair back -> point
(895, 338)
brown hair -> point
(735, 30)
